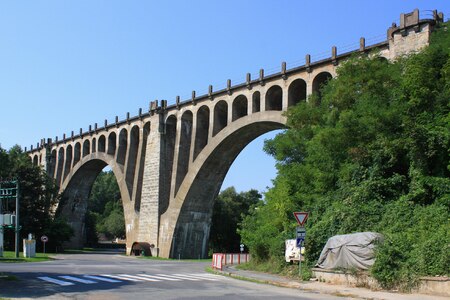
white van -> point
(292, 253)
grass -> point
(9, 257)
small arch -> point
(52, 163)
(77, 153)
(112, 142)
(240, 107)
(141, 249)
(123, 144)
(101, 143)
(59, 170)
(68, 163)
(296, 92)
(256, 102)
(86, 148)
(94, 145)
(220, 116)
(35, 160)
(319, 81)
(184, 148)
(132, 157)
(145, 134)
(168, 162)
(201, 130)
(274, 98)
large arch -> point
(76, 190)
(188, 224)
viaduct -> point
(170, 161)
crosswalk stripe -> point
(162, 277)
(143, 277)
(58, 282)
(203, 277)
(153, 278)
(101, 278)
(78, 279)
(179, 277)
(120, 277)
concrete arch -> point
(256, 102)
(112, 143)
(68, 161)
(123, 144)
(240, 107)
(168, 146)
(101, 143)
(202, 129)
(94, 145)
(220, 116)
(296, 92)
(77, 187)
(187, 226)
(132, 157)
(274, 98)
(60, 166)
(319, 80)
(184, 148)
(86, 148)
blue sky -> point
(70, 64)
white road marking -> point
(179, 277)
(102, 278)
(161, 276)
(56, 281)
(120, 277)
(78, 279)
(204, 276)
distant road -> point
(113, 276)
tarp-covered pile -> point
(348, 251)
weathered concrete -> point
(170, 162)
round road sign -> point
(44, 239)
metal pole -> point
(300, 263)
(1, 225)
(17, 219)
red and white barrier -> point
(217, 260)
(221, 259)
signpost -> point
(301, 218)
(44, 239)
(10, 190)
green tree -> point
(229, 209)
(105, 211)
(38, 198)
(370, 154)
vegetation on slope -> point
(372, 154)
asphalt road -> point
(114, 276)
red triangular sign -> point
(301, 217)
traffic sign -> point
(301, 217)
(44, 239)
(300, 242)
(301, 232)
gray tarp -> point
(349, 251)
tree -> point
(369, 154)
(105, 211)
(38, 197)
(229, 209)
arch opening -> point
(220, 116)
(274, 98)
(184, 148)
(240, 107)
(319, 81)
(201, 130)
(191, 234)
(296, 92)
